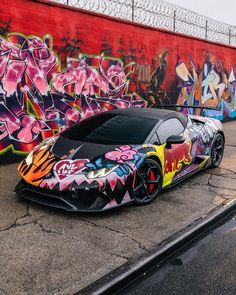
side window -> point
(169, 127)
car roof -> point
(158, 114)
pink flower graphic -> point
(121, 154)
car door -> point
(177, 156)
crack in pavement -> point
(116, 231)
(119, 255)
(192, 182)
(203, 187)
(25, 215)
(50, 231)
(211, 191)
(4, 291)
(73, 239)
(209, 186)
(225, 176)
(15, 223)
(210, 178)
(230, 192)
(225, 169)
(220, 187)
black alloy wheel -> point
(217, 150)
(148, 182)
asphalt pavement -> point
(47, 251)
(208, 267)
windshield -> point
(112, 129)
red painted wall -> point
(59, 65)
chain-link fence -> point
(161, 14)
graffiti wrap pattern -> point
(108, 178)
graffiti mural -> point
(37, 98)
(149, 78)
(211, 85)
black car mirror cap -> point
(156, 142)
(174, 139)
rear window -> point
(112, 129)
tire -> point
(148, 182)
(217, 150)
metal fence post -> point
(132, 7)
(174, 20)
(206, 29)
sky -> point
(221, 10)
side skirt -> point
(181, 179)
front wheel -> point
(217, 150)
(148, 182)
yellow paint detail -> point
(204, 162)
(167, 177)
(176, 164)
(159, 153)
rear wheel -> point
(217, 150)
(148, 182)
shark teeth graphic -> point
(126, 198)
(111, 204)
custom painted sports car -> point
(119, 157)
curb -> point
(120, 277)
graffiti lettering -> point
(143, 73)
(210, 86)
(66, 168)
(37, 98)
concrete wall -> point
(59, 65)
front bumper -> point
(81, 200)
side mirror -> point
(174, 139)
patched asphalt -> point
(47, 251)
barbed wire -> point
(161, 14)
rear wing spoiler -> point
(187, 106)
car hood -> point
(63, 163)
(65, 148)
(76, 157)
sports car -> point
(119, 157)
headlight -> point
(47, 142)
(100, 172)
(29, 158)
(43, 145)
